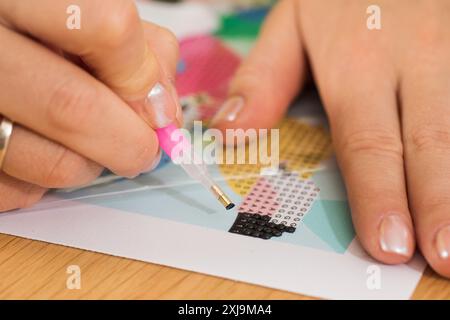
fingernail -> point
(155, 162)
(394, 235)
(229, 110)
(443, 242)
(160, 104)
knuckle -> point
(70, 105)
(69, 170)
(120, 22)
(429, 138)
(374, 142)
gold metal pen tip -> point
(222, 197)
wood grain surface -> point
(37, 270)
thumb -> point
(270, 77)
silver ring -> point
(6, 128)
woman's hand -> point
(71, 94)
(387, 96)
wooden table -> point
(37, 270)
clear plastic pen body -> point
(180, 150)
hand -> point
(387, 96)
(71, 94)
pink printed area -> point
(206, 66)
(285, 198)
(261, 199)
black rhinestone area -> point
(258, 226)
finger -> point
(110, 38)
(63, 103)
(111, 41)
(426, 128)
(368, 144)
(165, 47)
(37, 160)
(270, 77)
(16, 194)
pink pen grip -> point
(169, 137)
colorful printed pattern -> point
(204, 71)
(285, 198)
(313, 145)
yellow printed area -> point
(302, 148)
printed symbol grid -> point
(261, 199)
(302, 148)
(285, 198)
(258, 226)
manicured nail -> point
(229, 110)
(160, 104)
(443, 242)
(155, 162)
(394, 235)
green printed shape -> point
(331, 221)
(244, 24)
(233, 26)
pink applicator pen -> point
(172, 140)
